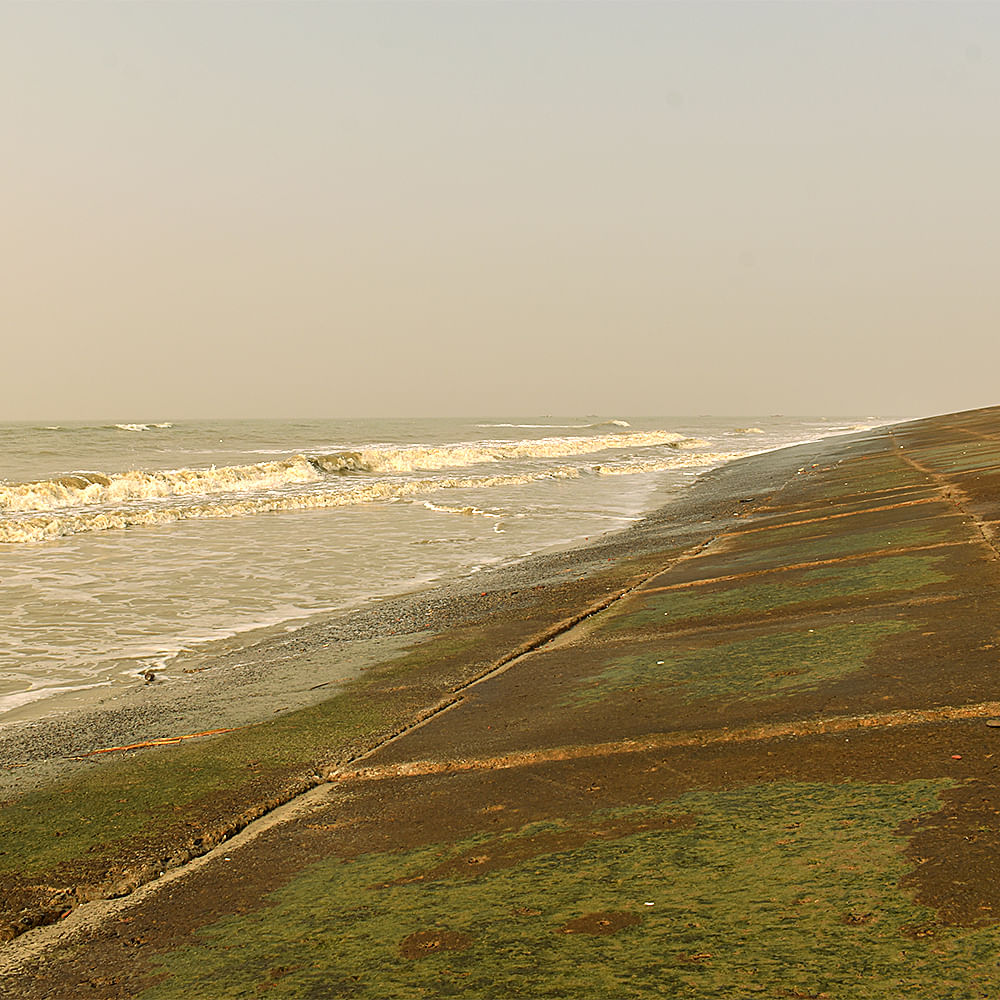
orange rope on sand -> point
(166, 741)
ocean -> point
(122, 544)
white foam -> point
(702, 459)
(11, 701)
(93, 501)
(42, 527)
(87, 489)
(468, 511)
(421, 457)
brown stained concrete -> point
(845, 634)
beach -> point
(740, 745)
(124, 545)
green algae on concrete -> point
(761, 667)
(843, 525)
(877, 577)
(95, 813)
(864, 481)
(789, 889)
(816, 542)
(954, 458)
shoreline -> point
(102, 661)
(267, 672)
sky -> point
(388, 209)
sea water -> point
(122, 544)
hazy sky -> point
(282, 209)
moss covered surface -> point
(958, 458)
(120, 800)
(772, 548)
(877, 578)
(782, 890)
(755, 668)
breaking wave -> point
(41, 527)
(82, 489)
(143, 427)
(340, 462)
(85, 501)
(420, 458)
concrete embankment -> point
(750, 755)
